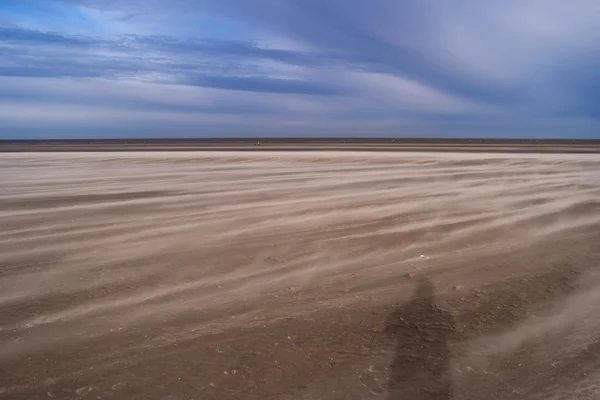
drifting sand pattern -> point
(149, 275)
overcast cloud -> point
(184, 68)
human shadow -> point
(420, 369)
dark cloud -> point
(46, 72)
(491, 53)
(382, 35)
(16, 35)
(34, 54)
(462, 65)
(140, 43)
(267, 85)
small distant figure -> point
(420, 370)
(257, 143)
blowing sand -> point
(299, 276)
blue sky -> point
(203, 68)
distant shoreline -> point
(308, 144)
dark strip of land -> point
(306, 144)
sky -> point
(319, 68)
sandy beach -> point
(299, 275)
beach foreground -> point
(299, 275)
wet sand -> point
(312, 275)
(536, 146)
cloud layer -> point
(299, 67)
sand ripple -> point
(95, 243)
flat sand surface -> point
(312, 275)
(247, 146)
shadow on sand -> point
(420, 369)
